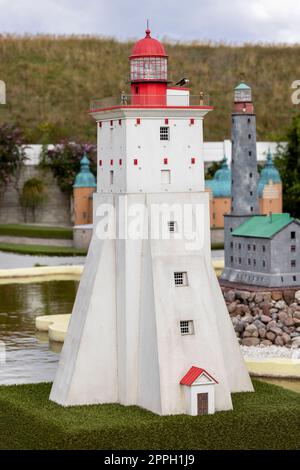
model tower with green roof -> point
(261, 250)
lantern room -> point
(243, 99)
(148, 72)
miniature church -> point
(260, 250)
(149, 325)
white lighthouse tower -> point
(149, 325)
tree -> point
(12, 155)
(33, 195)
(211, 170)
(64, 162)
(288, 164)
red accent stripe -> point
(97, 110)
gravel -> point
(259, 352)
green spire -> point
(242, 86)
(85, 178)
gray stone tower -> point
(244, 184)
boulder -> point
(297, 296)
(282, 316)
(279, 341)
(229, 296)
(276, 295)
(289, 296)
(296, 314)
(273, 310)
(280, 304)
(262, 332)
(265, 318)
(267, 296)
(259, 324)
(295, 334)
(296, 343)
(270, 335)
(259, 297)
(289, 321)
(271, 324)
(250, 341)
(286, 338)
(242, 295)
(276, 330)
(266, 342)
(265, 308)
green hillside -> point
(50, 81)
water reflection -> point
(28, 359)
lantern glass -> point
(149, 68)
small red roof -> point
(193, 375)
(148, 47)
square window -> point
(180, 279)
(187, 327)
(293, 235)
(165, 176)
(165, 133)
(172, 225)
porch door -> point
(202, 403)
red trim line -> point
(149, 107)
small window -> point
(249, 261)
(231, 259)
(293, 235)
(294, 278)
(249, 136)
(251, 193)
(254, 247)
(240, 260)
(251, 209)
(293, 263)
(180, 279)
(250, 153)
(187, 327)
(231, 229)
(254, 262)
(249, 120)
(250, 174)
(111, 176)
(264, 248)
(293, 248)
(231, 245)
(172, 225)
(240, 246)
(165, 176)
(249, 247)
(263, 263)
(165, 133)
(137, 90)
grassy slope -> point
(267, 419)
(36, 231)
(45, 250)
(51, 80)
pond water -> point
(28, 356)
(13, 260)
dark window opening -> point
(293, 248)
(293, 263)
(293, 235)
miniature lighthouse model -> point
(149, 320)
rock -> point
(271, 324)
(259, 324)
(280, 305)
(250, 342)
(241, 309)
(288, 321)
(266, 342)
(259, 297)
(248, 318)
(262, 332)
(273, 310)
(298, 329)
(251, 328)
(279, 341)
(231, 308)
(276, 330)
(265, 318)
(267, 296)
(297, 296)
(296, 315)
(265, 308)
(295, 343)
(289, 296)
(296, 321)
(274, 316)
(286, 338)
(276, 295)
(242, 295)
(247, 334)
(282, 316)
(270, 335)
(295, 334)
(229, 296)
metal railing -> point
(124, 99)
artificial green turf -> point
(36, 231)
(45, 250)
(266, 419)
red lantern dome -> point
(148, 46)
(148, 72)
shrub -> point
(33, 195)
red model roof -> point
(148, 47)
(193, 375)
